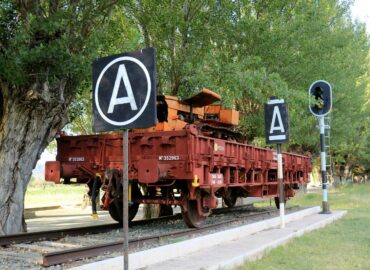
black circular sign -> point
(115, 97)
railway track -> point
(66, 252)
(63, 256)
(54, 234)
(60, 233)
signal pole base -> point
(325, 208)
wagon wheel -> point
(115, 209)
(230, 198)
(231, 201)
(191, 216)
(165, 210)
(277, 202)
(113, 212)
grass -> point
(345, 244)
(40, 193)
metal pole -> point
(325, 204)
(281, 186)
(125, 200)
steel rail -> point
(60, 233)
(64, 256)
(55, 234)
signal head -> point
(320, 98)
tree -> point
(245, 50)
(250, 50)
(45, 53)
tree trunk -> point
(347, 172)
(30, 120)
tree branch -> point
(142, 24)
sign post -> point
(277, 131)
(320, 103)
(281, 186)
(124, 97)
(125, 201)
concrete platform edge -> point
(152, 256)
(261, 251)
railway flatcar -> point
(190, 158)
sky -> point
(361, 11)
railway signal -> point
(320, 98)
(277, 131)
(320, 103)
(124, 97)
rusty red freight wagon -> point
(190, 166)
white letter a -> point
(122, 75)
(280, 124)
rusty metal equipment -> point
(190, 158)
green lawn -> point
(49, 194)
(345, 244)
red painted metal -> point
(178, 155)
(182, 160)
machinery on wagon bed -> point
(191, 157)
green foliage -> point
(248, 51)
(115, 36)
(244, 50)
(45, 41)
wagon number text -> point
(76, 159)
(168, 158)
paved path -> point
(64, 217)
(222, 250)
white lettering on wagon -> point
(167, 158)
(76, 159)
(218, 147)
(217, 178)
